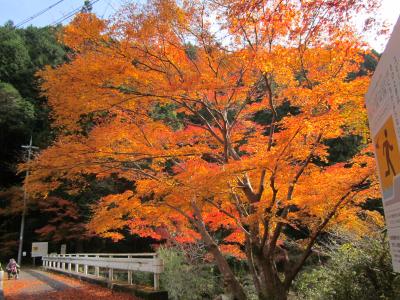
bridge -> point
(82, 263)
(115, 271)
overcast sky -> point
(19, 10)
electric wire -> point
(23, 22)
(71, 13)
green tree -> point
(14, 56)
(16, 118)
(24, 111)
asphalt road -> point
(34, 284)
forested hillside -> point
(24, 113)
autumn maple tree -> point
(206, 165)
(64, 221)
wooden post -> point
(85, 267)
(63, 263)
(156, 275)
(130, 277)
(110, 277)
(97, 269)
(156, 281)
(130, 273)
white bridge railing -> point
(89, 264)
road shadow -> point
(54, 284)
(71, 293)
(57, 290)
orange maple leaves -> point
(219, 168)
(121, 70)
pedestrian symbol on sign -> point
(387, 148)
(388, 156)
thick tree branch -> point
(296, 269)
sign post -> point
(383, 104)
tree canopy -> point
(207, 170)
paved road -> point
(34, 284)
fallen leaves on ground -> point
(24, 289)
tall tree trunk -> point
(272, 288)
(229, 277)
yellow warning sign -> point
(387, 155)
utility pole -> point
(29, 148)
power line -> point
(105, 10)
(23, 22)
(112, 6)
(71, 13)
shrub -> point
(187, 280)
(355, 270)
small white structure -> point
(129, 262)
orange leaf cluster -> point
(219, 170)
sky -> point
(20, 10)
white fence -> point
(93, 262)
(1, 284)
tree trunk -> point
(233, 285)
(230, 280)
(272, 288)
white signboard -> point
(63, 249)
(40, 249)
(383, 104)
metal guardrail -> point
(129, 262)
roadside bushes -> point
(356, 269)
(347, 269)
(186, 278)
